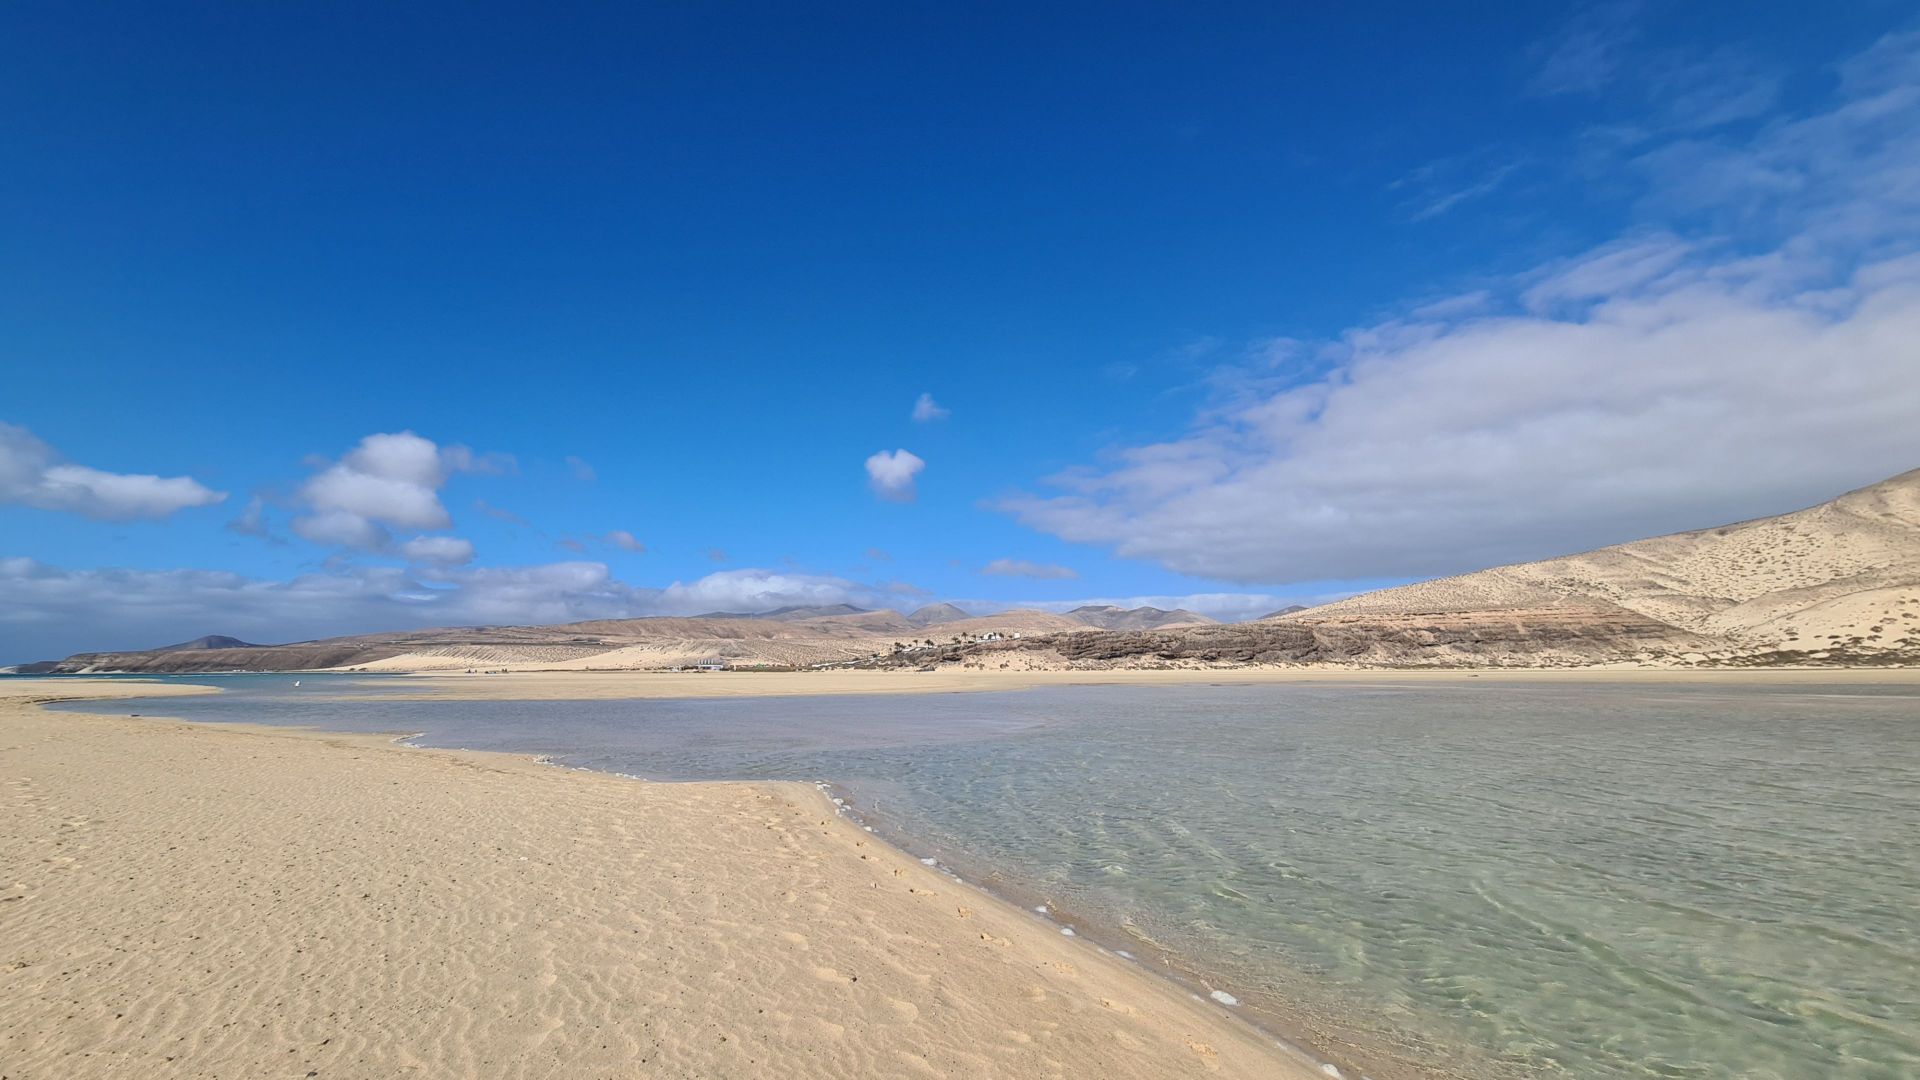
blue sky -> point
(1238, 307)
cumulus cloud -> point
(581, 470)
(340, 528)
(1025, 569)
(1664, 381)
(387, 480)
(926, 410)
(49, 612)
(892, 472)
(33, 474)
(761, 590)
(438, 550)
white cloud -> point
(438, 550)
(33, 474)
(340, 528)
(581, 470)
(752, 590)
(47, 612)
(387, 480)
(1023, 568)
(1618, 268)
(625, 541)
(892, 474)
(925, 409)
(1664, 381)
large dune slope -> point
(1842, 576)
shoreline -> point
(535, 685)
(1228, 1043)
(1166, 965)
(553, 684)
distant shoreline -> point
(536, 684)
(589, 685)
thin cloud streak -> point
(1024, 568)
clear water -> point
(1475, 879)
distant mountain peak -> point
(935, 614)
(811, 611)
(211, 641)
(789, 613)
(1112, 617)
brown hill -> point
(1841, 579)
(935, 614)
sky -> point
(323, 319)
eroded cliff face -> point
(1553, 637)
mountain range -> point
(1835, 584)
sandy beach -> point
(217, 901)
(594, 685)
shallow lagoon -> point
(1649, 880)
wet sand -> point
(199, 900)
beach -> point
(196, 900)
(610, 685)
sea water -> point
(1460, 879)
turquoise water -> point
(1475, 879)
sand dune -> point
(789, 638)
(1839, 578)
(189, 900)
